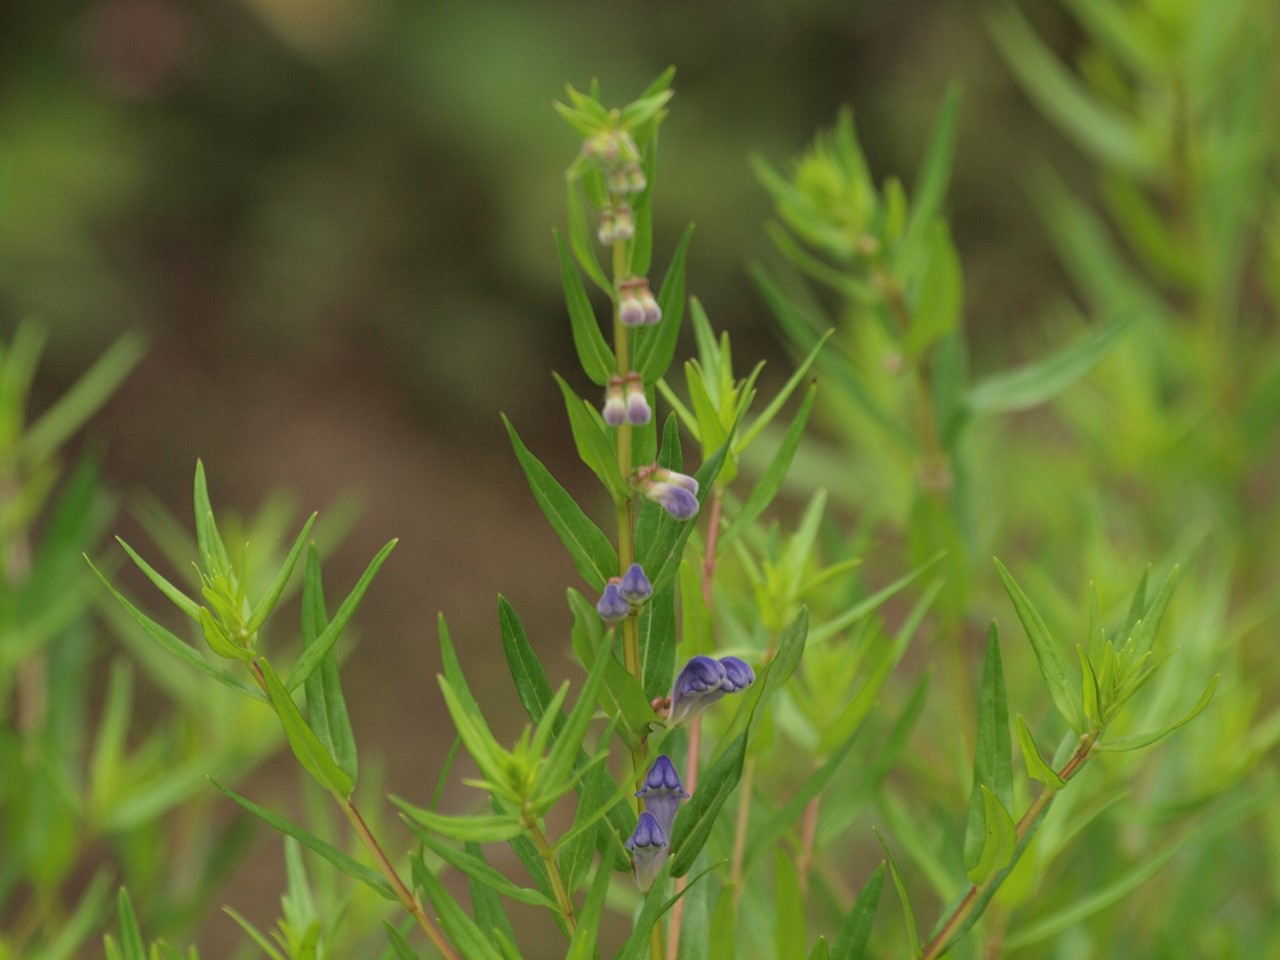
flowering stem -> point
(563, 901)
(978, 893)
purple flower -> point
(675, 492)
(649, 850)
(703, 681)
(615, 406)
(638, 411)
(608, 231)
(612, 605)
(624, 224)
(662, 792)
(635, 586)
(652, 312)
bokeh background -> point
(332, 220)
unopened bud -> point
(624, 225)
(615, 404)
(608, 231)
(630, 306)
(638, 412)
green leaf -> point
(1089, 694)
(1066, 695)
(937, 306)
(640, 249)
(83, 921)
(770, 481)
(218, 641)
(554, 777)
(176, 596)
(1093, 124)
(305, 745)
(476, 868)
(790, 934)
(461, 928)
(399, 944)
(527, 673)
(621, 694)
(820, 950)
(908, 915)
(698, 814)
(177, 647)
(314, 654)
(578, 843)
(1000, 836)
(748, 436)
(472, 829)
(486, 906)
(580, 240)
(593, 352)
(352, 868)
(583, 944)
(662, 559)
(655, 347)
(213, 554)
(272, 595)
(992, 761)
(935, 172)
(855, 931)
(1033, 384)
(1139, 740)
(1037, 768)
(74, 408)
(592, 553)
(131, 945)
(592, 438)
(326, 706)
(654, 907)
(1144, 632)
(656, 637)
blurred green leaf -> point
(74, 408)
(908, 915)
(176, 596)
(1034, 384)
(468, 829)
(582, 946)
(938, 303)
(461, 928)
(580, 238)
(477, 868)
(790, 934)
(590, 549)
(1098, 128)
(855, 930)
(935, 172)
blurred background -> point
(332, 219)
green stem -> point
(563, 901)
(978, 893)
(655, 942)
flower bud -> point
(635, 178)
(612, 606)
(652, 312)
(615, 405)
(662, 792)
(703, 681)
(674, 492)
(638, 412)
(624, 222)
(649, 850)
(608, 231)
(630, 307)
(635, 586)
(618, 181)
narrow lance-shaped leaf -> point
(467, 829)
(593, 352)
(1065, 694)
(326, 706)
(775, 473)
(213, 554)
(327, 851)
(580, 239)
(272, 595)
(1138, 740)
(590, 549)
(992, 761)
(305, 745)
(583, 944)
(479, 870)
(935, 171)
(594, 443)
(457, 924)
(855, 931)
(312, 656)
(131, 945)
(908, 915)
(174, 645)
(656, 346)
(1000, 839)
(179, 599)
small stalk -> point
(942, 940)
(408, 899)
(563, 901)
